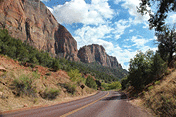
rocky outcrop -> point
(32, 22)
(96, 53)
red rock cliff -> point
(96, 53)
(31, 21)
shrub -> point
(71, 88)
(75, 76)
(114, 85)
(50, 94)
(48, 74)
(56, 65)
(35, 75)
(91, 83)
(157, 82)
(151, 87)
(23, 86)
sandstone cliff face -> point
(31, 21)
(96, 53)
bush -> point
(144, 69)
(124, 83)
(71, 88)
(114, 85)
(75, 76)
(23, 86)
(56, 65)
(157, 82)
(48, 74)
(35, 75)
(151, 87)
(50, 94)
(90, 82)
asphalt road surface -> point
(103, 104)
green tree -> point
(90, 82)
(124, 83)
(144, 69)
(75, 75)
(159, 13)
(167, 46)
(56, 65)
(115, 85)
(138, 71)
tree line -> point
(150, 66)
(23, 52)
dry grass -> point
(161, 99)
(41, 81)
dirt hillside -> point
(22, 86)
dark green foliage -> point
(71, 88)
(159, 12)
(124, 83)
(144, 69)
(23, 86)
(100, 72)
(56, 65)
(158, 66)
(111, 86)
(91, 83)
(48, 74)
(75, 76)
(50, 94)
(25, 53)
(167, 43)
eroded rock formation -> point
(31, 21)
(96, 53)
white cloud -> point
(118, 1)
(123, 56)
(171, 19)
(131, 5)
(139, 42)
(93, 35)
(78, 11)
(120, 27)
(130, 31)
(44, 0)
(71, 12)
(50, 9)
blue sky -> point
(114, 24)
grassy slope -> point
(42, 79)
(160, 99)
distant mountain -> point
(96, 53)
(31, 22)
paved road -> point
(103, 104)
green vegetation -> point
(26, 54)
(111, 86)
(144, 69)
(158, 12)
(71, 88)
(102, 73)
(50, 94)
(75, 76)
(24, 86)
(48, 74)
(90, 82)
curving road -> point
(103, 104)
